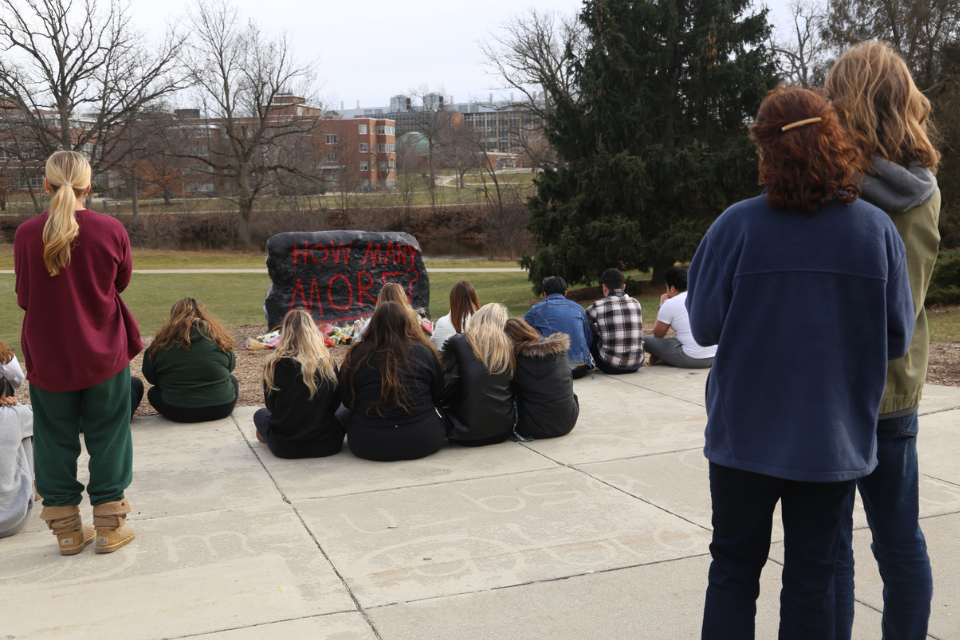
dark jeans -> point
(194, 414)
(328, 445)
(410, 441)
(743, 504)
(890, 497)
(136, 394)
(609, 369)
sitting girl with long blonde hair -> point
(479, 366)
(189, 363)
(300, 391)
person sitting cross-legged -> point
(557, 314)
(681, 351)
(617, 323)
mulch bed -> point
(944, 368)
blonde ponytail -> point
(68, 173)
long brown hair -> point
(6, 353)
(186, 314)
(463, 304)
(805, 160)
(300, 340)
(520, 332)
(68, 174)
(880, 106)
(389, 337)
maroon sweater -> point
(77, 332)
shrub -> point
(945, 283)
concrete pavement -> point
(602, 534)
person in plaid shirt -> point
(617, 321)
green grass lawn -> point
(238, 298)
(156, 259)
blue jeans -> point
(743, 504)
(891, 499)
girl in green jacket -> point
(189, 363)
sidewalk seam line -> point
(544, 581)
(260, 624)
(626, 493)
(296, 511)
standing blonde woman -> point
(479, 365)
(887, 118)
(300, 391)
(78, 339)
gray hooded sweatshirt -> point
(910, 197)
(16, 458)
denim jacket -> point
(557, 314)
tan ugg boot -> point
(72, 535)
(109, 520)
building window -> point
(202, 187)
(363, 166)
(365, 183)
(386, 148)
(381, 131)
(390, 131)
(332, 157)
(363, 129)
(363, 147)
(382, 166)
(331, 138)
(391, 184)
(391, 166)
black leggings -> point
(409, 441)
(194, 414)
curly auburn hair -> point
(806, 167)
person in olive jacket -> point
(300, 391)
(189, 363)
(478, 366)
(547, 407)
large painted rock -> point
(337, 275)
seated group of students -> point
(609, 333)
(397, 397)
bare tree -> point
(531, 56)
(431, 119)
(920, 31)
(238, 74)
(800, 48)
(75, 75)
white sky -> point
(371, 50)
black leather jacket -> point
(477, 404)
(547, 407)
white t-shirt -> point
(674, 313)
(443, 329)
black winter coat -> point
(547, 407)
(301, 426)
(478, 405)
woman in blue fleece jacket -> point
(805, 291)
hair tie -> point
(800, 123)
(66, 184)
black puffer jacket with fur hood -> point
(547, 407)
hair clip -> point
(800, 123)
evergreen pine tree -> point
(654, 144)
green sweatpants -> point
(104, 412)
